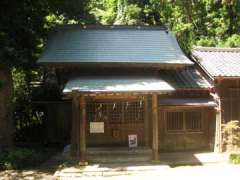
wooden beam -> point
(146, 121)
(75, 126)
(83, 126)
(155, 145)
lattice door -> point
(120, 118)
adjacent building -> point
(222, 67)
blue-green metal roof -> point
(75, 44)
(117, 84)
(165, 80)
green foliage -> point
(26, 116)
(234, 158)
(232, 41)
(19, 158)
(206, 41)
(205, 23)
(24, 26)
(231, 135)
(13, 158)
(104, 11)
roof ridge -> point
(215, 49)
(111, 27)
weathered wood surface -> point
(187, 140)
(83, 126)
(146, 121)
(75, 133)
(155, 129)
(229, 91)
(218, 145)
(117, 133)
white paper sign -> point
(96, 127)
(132, 140)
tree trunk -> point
(6, 123)
(121, 12)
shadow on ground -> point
(113, 164)
(45, 171)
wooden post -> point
(75, 126)
(146, 121)
(83, 125)
(218, 127)
(218, 133)
(155, 148)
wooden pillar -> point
(75, 142)
(146, 121)
(155, 148)
(218, 132)
(83, 126)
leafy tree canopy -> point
(205, 22)
(24, 25)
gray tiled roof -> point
(166, 80)
(188, 78)
(218, 61)
(146, 45)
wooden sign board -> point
(96, 127)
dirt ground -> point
(212, 166)
(45, 171)
(211, 171)
(26, 174)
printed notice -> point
(132, 140)
(96, 127)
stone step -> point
(119, 154)
(119, 151)
(119, 159)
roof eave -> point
(195, 59)
(215, 49)
(226, 77)
(114, 64)
(136, 92)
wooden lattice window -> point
(174, 121)
(116, 112)
(133, 112)
(193, 120)
(181, 121)
(234, 104)
(96, 111)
